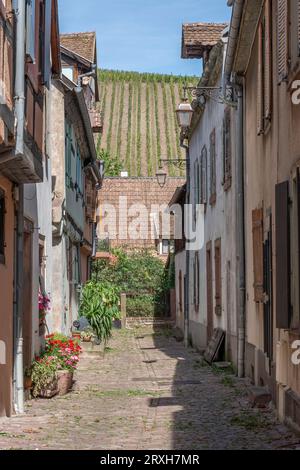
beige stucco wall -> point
(269, 160)
(6, 303)
(57, 155)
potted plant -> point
(44, 307)
(44, 378)
(86, 336)
(100, 305)
(67, 353)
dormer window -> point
(69, 73)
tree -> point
(113, 165)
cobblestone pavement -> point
(148, 393)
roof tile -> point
(82, 44)
(198, 37)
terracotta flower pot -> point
(50, 391)
(65, 381)
(76, 335)
(87, 339)
(27, 383)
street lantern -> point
(184, 115)
(161, 176)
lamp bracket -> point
(177, 163)
(213, 93)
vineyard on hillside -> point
(140, 124)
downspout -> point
(236, 18)
(234, 29)
(19, 102)
(240, 201)
(187, 252)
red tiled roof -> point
(82, 44)
(198, 37)
(145, 191)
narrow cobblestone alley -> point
(148, 393)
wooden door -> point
(210, 302)
(27, 294)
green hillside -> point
(139, 118)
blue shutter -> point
(47, 43)
(30, 30)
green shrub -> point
(100, 305)
(144, 306)
(142, 276)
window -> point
(196, 281)
(180, 287)
(268, 291)
(218, 277)
(165, 247)
(283, 260)
(68, 72)
(41, 50)
(264, 79)
(2, 226)
(227, 159)
(295, 250)
(213, 169)
(47, 43)
(258, 255)
(203, 176)
(79, 179)
(30, 30)
(196, 187)
(69, 150)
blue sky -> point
(141, 35)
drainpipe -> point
(19, 102)
(234, 29)
(237, 13)
(187, 252)
(240, 232)
(19, 368)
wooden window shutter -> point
(282, 222)
(204, 176)
(267, 62)
(2, 225)
(194, 281)
(227, 176)
(197, 277)
(47, 44)
(258, 254)
(198, 181)
(260, 97)
(213, 188)
(180, 292)
(282, 39)
(298, 18)
(218, 277)
(298, 214)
